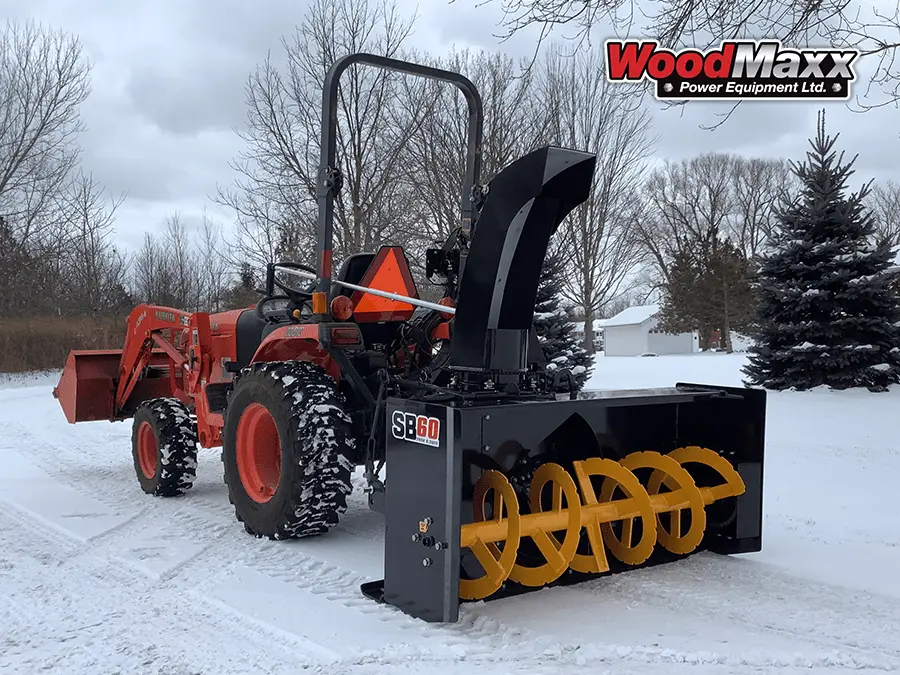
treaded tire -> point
(164, 447)
(316, 441)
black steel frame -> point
(329, 174)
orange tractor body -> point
(193, 356)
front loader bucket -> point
(486, 501)
(86, 390)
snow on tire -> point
(164, 447)
(286, 448)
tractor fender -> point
(303, 342)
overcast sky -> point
(168, 84)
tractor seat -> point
(352, 271)
(248, 334)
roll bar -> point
(329, 179)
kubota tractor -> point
(497, 483)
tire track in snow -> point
(307, 568)
(70, 611)
(203, 509)
(309, 573)
(863, 625)
(108, 476)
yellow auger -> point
(669, 490)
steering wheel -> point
(290, 291)
(295, 296)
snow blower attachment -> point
(542, 493)
(503, 477)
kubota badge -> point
(408, 426)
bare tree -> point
(885, 204)
(758, 186)
(151, 278)
(274, 197)
(588, 113)
(678, 22)
(706, 219)
(164, 269)
(43, 81)
(712, 195)
(183, 263)
(93, 274)
(435, 155)
(183, 268)
(693, 202)
(213, 269)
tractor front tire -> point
(286, 448)
(164, 447)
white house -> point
(634, 331)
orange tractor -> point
(497, 484)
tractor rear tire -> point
(164, 447)
(286, 448)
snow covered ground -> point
(97, 578)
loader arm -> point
(146, 326)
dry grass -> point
(43, 343)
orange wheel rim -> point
(258, 453)
(147, 450)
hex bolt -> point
(429, 522)
(487, 417)
(426, 562)
(440, 546)
(416, 537)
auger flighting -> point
(582, 513)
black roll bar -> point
(329, 177)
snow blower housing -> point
(496, 485)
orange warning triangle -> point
(388, 272)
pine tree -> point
(708, 288)
(827, 312)
(555, 332)
(243, 293)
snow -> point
(632, 316)
(740, 343)
(97, 577)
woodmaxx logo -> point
(739, 69)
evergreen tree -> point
(708, 288)
(827, 312)
(243, 293)
(555, 332)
